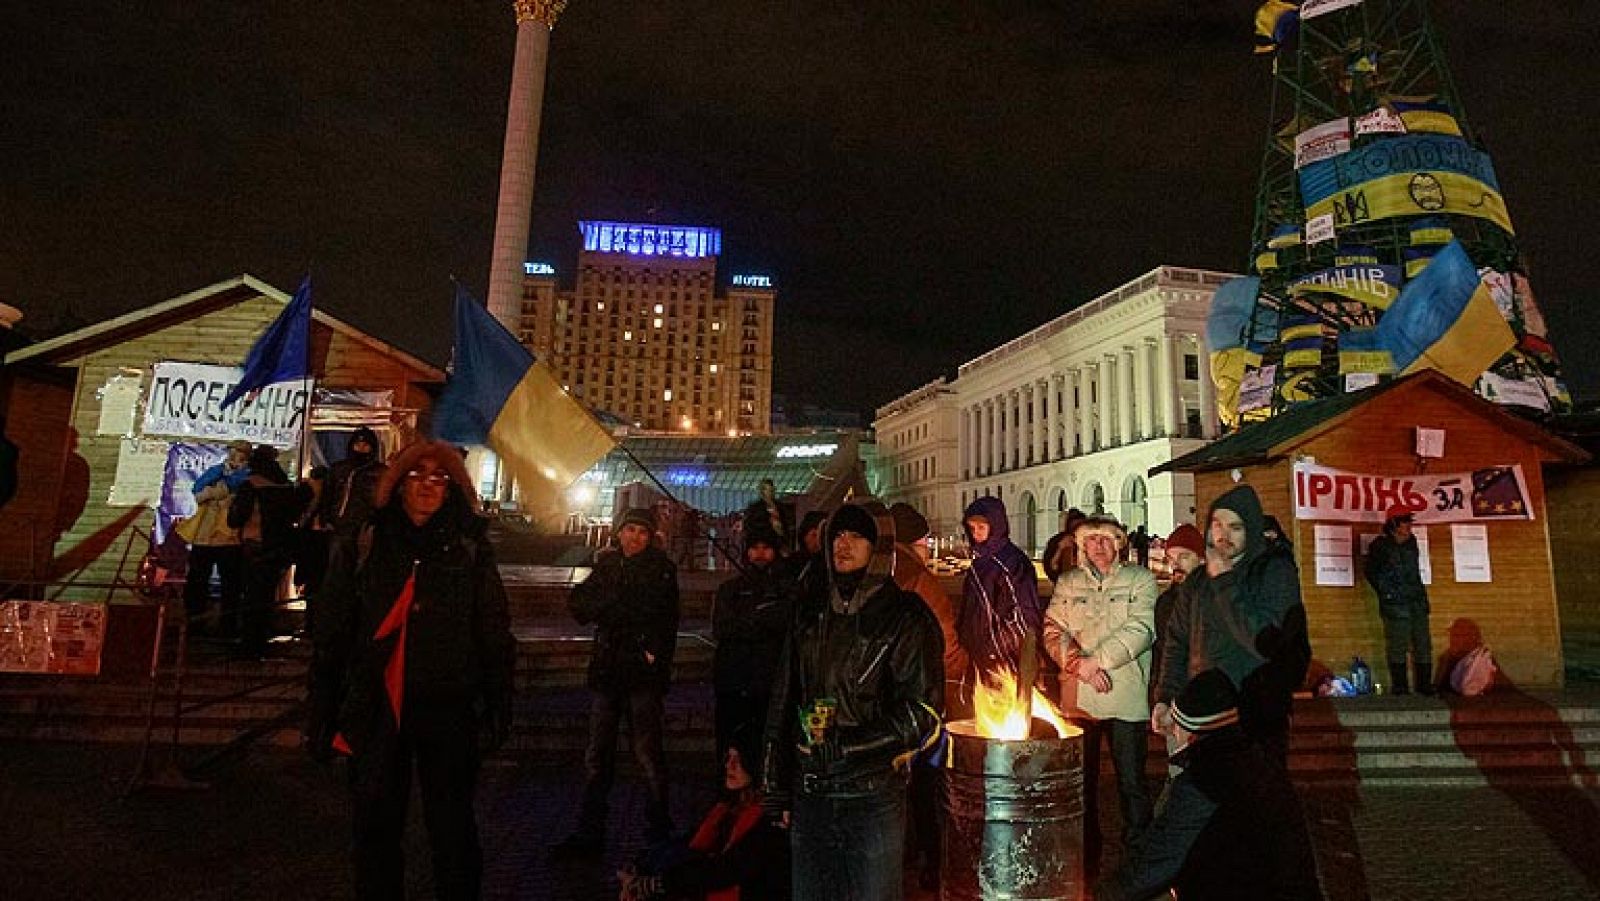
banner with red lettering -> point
(1327, 494)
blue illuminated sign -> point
(538, 269)
(689, 478)
(752, 281)
(651, 240)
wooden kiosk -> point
(1329, 469)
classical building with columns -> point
(1073, 414)
(919, 454)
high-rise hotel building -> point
(649, 335)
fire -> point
(998, 711)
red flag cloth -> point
(394, 672)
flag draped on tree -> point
(498, 395)
(281, 353)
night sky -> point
(924, 179)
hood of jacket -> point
(994, 512)
(1242, 500)
(850, 590)
(372, 442)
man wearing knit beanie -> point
(1185, 552)
(1230, 825)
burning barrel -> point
(1013, 824)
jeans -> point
(849, 848)
(442, 741)
(643, 708)
(1129, 743)
(1402, 634)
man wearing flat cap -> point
(632, 599)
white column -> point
(1169, 385)
(1125, 395)
(1208, 398)
(962, 443)
(1141, 388)
(1106, 395)
(1069, 413)
(1086, 376)
(1041, 420)
(1014, 446)
(995, 415)
(1058, 424)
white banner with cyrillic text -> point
(185, 400)
(1327, 494)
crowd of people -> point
(840, 649)
(839, 659)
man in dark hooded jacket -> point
(1240, 613)
(857, 696)
(999, 597)
(347, 496)
(1394, 569)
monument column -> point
(518, 159)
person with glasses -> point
(413, 667)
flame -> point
(998, 712)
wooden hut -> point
(91, 468)
(1329, 470)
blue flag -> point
(280, 354)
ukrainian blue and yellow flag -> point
(1276, 22)
(499, 396)
(1445, 319)
(1231, 307)
(1362, 350)
(1425, 114)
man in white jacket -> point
(1099, 627)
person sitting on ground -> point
(737, 853)
(1229, 826)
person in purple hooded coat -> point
(1000, 597)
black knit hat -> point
(638, 516)
(1209, 702)
(853, 518)
(909, 525)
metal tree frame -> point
(1315, 80)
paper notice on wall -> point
(1470, 544)
(119, 402)
(1424, 562)
(1320, 229)
(141, 467)
(1335, 570)
(1333, 541)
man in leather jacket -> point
(858, 695)
(632, 599)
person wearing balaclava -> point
(1240, 613)
(999, 597)
(857, 696)
(347, 496)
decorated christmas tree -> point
(1382, 244)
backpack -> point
(1473, 674)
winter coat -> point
(1394, 572)
(749, 622)
(1242, 620)
(459, 649)
(348, 496)
(1111, 618)
(1229, 826)
(873, 651)
(265, 512)
(633, 603)
(1000, 595)
(912, 575)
